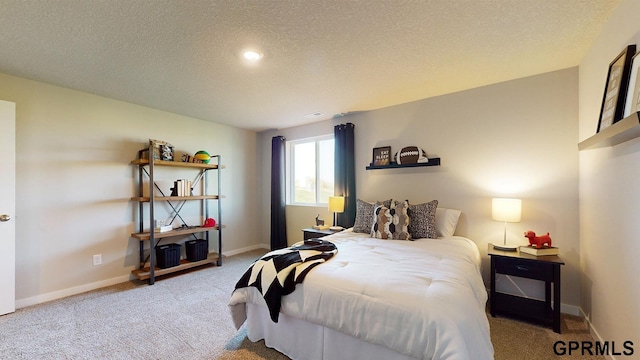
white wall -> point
(74, 184)
(609, 196)
(515, 138)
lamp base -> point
(505, 247)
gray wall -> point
(512, 139)
(74, 184)
(609, 196)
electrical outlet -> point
(97, 259)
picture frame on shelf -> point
(381, 156)
(615, 90)
(632, 103)
(162, 150)
(166, 152)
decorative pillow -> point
(364, 216)
(402, 221)
(423, 220)
(382, 223)
(388, 203)
(446, 221)
(391, 223)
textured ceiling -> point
(330, 56)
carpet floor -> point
(185, 316)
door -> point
(7, 207)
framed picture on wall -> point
(615, 90)
(381, 155)
(632, 103)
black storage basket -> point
(197, 249)
(168, 255)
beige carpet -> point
(185, 317)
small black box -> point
(197, 249)
(168, 255)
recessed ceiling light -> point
(252, 55)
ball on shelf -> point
(202, 156)
(411, 155)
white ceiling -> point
(330, 56)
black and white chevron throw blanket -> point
(276, 273)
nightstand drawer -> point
(522, 268)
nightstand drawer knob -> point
(523, 268)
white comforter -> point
(422, 298)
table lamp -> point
(336, 205)
(507, 210)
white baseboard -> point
(570, 309)
(55, 295)
(564, 308)
(594, 333)
(245, 249)
(42, 298)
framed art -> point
(615, 90)
(166, 152)
(381, 155)
(632, 103)
(162, 150)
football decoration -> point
(202, 156)
(411, 155)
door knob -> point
(5, 217)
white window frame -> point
(290, 189)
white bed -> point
(379, 299)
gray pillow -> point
(423, 220)
(364, 216)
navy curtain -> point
(278, 220)
(345, 172)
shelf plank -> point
(432, 162)
(623, 130)
(145, 273)
(176, 232)
(525, 308)
(175, 198)
(175, 164)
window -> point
(310, 171)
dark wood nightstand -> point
(543, 268)
(311, 233)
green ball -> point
(203, 156)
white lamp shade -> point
(336, 204)
(507, 210)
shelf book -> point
(539, 252)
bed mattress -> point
(424, 299)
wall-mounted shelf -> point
(432, 162)
(621, 131)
